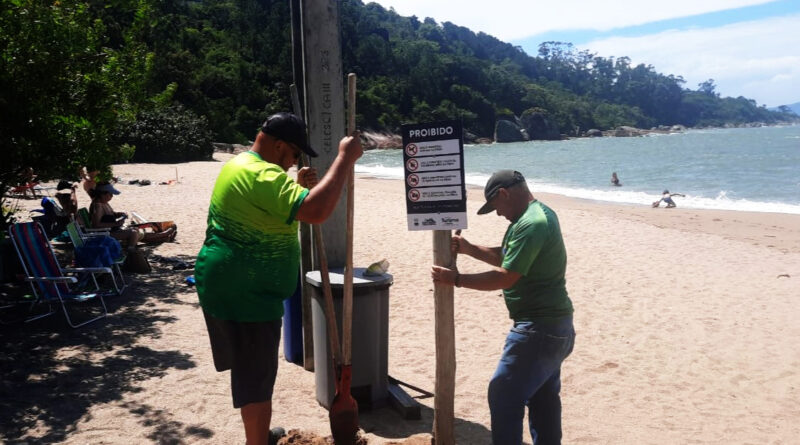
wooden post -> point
(443, 432)
(306, 264)
(306, 243)
(347, 291)
(324, 105)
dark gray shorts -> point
(250, 351)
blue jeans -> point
(529, 374)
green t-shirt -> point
(533, 247)
(251, 256)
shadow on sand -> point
(388, 424)
(52, 375)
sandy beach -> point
(686, 327)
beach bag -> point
(136, 262)
(98, 251)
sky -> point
(750, 48)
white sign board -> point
(433, 157)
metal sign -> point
(433, 159)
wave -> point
(620, 196)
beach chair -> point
(49, 281)
(54, 219)
(79, 238)
(85, 221)
(25, 188)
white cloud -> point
(516, 19)
(757, 59)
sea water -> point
(745, 169)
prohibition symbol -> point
(412, 165)
(412, 149)
(413, 195)
(413, 180)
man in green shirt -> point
(249, 261)
(529, 266)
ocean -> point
(744, 169)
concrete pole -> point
(324, 105)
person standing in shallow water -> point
(529, 266)
(249, 261)
(667, 198)
(615, 180)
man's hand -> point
(443, 275)
(307, 177)
(459, 244)
(350, 147)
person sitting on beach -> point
(529, 267)
(615, 179)
(28, 182)
(667, 198)
(248, 263)
(67, 198)
(103, 215)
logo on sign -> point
(412, 165)
(413, 195)
(413, 180)
(412, 149)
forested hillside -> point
(229, 61)
(93, 81)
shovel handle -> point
(347, 303)
(330, 311)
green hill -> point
(230, 62)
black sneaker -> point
(275, 435)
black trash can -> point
(370, 336)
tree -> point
(63, 88)
(707, 88)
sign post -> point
(433, 158)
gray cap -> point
(501, 179)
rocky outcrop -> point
(594, 133)
(539, 126)
(372, 140)
(508, 131)
(626, 132)
(222, 147)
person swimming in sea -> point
(615, 180)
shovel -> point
(344, 409)
(343, 412)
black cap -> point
(288, 128)
(501, 179)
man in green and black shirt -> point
(249, 261)
(529, 266)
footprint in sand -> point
(606, 366)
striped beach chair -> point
(49, 281)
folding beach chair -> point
(47, 278)
(54, 219)
(79, 238)
(86, 221)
